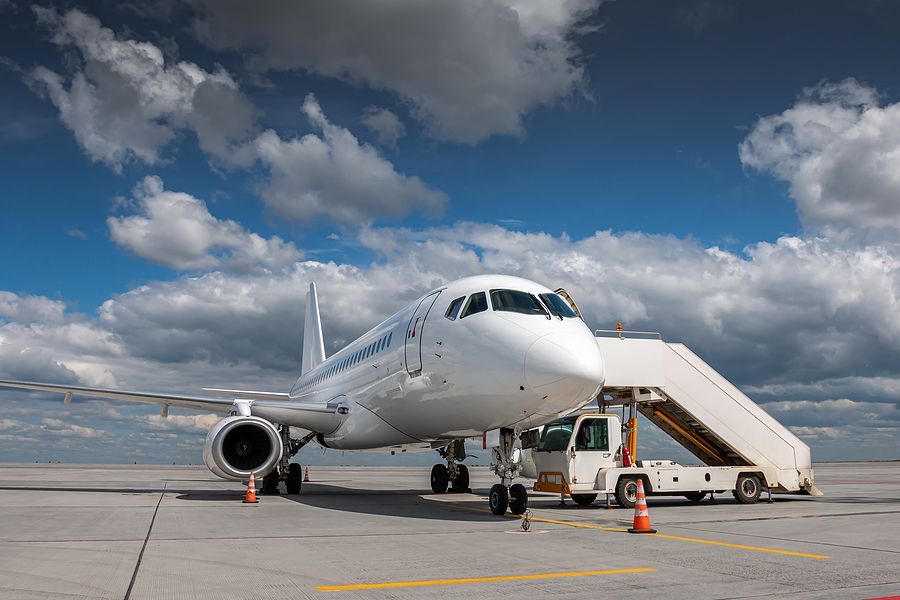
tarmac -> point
(151, 532)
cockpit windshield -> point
(517, 302)
(556, 435)
(558, 306)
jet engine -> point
(238, 445)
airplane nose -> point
(570, 364)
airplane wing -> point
(222, 405)
(321, 418)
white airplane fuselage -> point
(423, 376)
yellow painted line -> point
(659, 535)
(740, 546)
(429, 582)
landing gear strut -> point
(453, 475)
(506, 494)
(290, 473)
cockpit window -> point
(517, 302)
(558, 306)
(453, 309)
(556, 435)
(477, 303)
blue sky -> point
(723, 172)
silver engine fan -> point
(238, 445)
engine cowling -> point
(238, 445)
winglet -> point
(313, 345)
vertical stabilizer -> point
(313, 345)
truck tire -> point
(584, 499)
(695, 496)
(626, 492)
(747, 489)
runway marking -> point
(659, 535)
(431, 582)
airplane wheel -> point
(270, 484)
(294, 479)
(499, 499)
(518, 499)
(439, 479)
(584, 499)
(461, 485)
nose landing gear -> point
(506, 494)
(452, 476)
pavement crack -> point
(140, 557)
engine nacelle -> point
(238, 445)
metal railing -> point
(622, 333)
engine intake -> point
(238, 445)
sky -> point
(723, 172)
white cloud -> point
(386, 126)
(333, 175)
(175, 229)
(839, 150)
(63, 428)
(125, 104)
(469, 70)
(202, 423)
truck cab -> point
(573, 450)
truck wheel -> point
(695, 496)
(584, 499)
(748, 489)
(626, 492)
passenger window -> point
(453, 309)
(477, 303)
(517, 302)
(593, 435)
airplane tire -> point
(518, 499)
(747, 490)
(270, 484)
(695, 496)
(626, 492)
(439, 479)
(584, 499)
(499, 499)
(294, 479)
(461, 485)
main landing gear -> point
(290, 473)
(452, 476)
(506, 494)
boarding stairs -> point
(700, 409)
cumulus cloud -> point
(202, 423)
(176, 229)
(813, 326)
(60, 427)
(839, 149)
(125, 104)
(385, 125)
(333, 175)
(469, 70)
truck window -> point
(593, 434)
(556, 436)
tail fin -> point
(313, 345)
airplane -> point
(485, 357)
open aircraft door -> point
(414, 334)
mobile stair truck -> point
(744, 449)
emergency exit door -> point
(414, 331)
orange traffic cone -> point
(306, 475)
(250, 496)
(641, 516)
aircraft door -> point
(414, 330)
